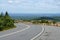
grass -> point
(8, 28)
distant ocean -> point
(56, 14)
(31, 16)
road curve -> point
(26, 33)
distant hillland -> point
(55, 17)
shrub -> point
(6, 22)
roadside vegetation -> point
(45, 20)
(6, 22)
(40, 21)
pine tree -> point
(6, 14)
(1, 15)
(6, 21)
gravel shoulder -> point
(50, 33)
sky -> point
(30, 6)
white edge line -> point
(15, 32)
(38, 34)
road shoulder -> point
(50, 33)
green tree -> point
(6, 14)
(6, 21)
(54, 22)
(1, 15)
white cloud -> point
(16, 1)
(31, 4)
(10, 1)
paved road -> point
(27, 34)
(20, 26)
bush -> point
(6, 22)
(1, 28)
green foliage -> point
(54, 22)
(6, 22)
(1, 15)
(43, 21)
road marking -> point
(38, 34)
(16, 32)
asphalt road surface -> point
(22, 32)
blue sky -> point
(30, 6)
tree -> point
(54, 22)
(6, 14)
(1, 15)
(6, 21)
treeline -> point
(44, 18)
(6, 22)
